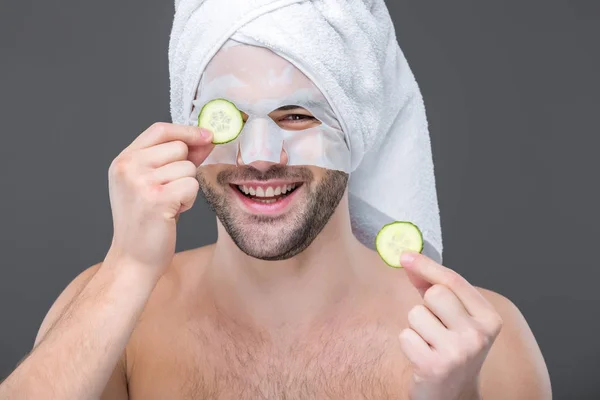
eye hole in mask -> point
(290, 118)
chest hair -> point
(354, 362)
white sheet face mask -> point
(259, 82)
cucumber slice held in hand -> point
(223, 119)
(396, 237)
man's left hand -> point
(449, 336)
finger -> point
(184, 191)
(444, 304)
(197, 154)
(415, 348)
(418, 282)
(422, 321)
(164, 153)
(162, 132)
(430, 271)
(173, 171)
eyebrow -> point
(287, 108)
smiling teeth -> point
(269, 192)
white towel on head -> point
(348, 48)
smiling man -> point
(291, 302)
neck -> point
(300, 291)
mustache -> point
(248, 173)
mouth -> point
(267, 198)
(267, 193)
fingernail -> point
(205, 133)
(407, 258)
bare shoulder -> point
(198, 255)
(186, 267)
(71, 290)
(515, 362)
(180, 261)
(515, 329)
(503, 305)
(189, 262)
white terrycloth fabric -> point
(348, 48)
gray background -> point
(511, 89)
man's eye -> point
(298, 117)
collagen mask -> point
(258, 82)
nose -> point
(264, 165)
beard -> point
(273, 238)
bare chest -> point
(207, 362)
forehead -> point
(255, 73)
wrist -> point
(127, 269)
(471, 392)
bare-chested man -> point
(287, 304)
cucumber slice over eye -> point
(396, 237)
(223, 119)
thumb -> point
(197, 153)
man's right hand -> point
(150, 183)
(88, 327)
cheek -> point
(207, 175)
(318, 174)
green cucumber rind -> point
(226, 101)
(398, 266)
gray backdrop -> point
(512, 94)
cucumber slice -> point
(396, 237)
(223, 119)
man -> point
(288, 303)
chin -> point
(271, 240)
